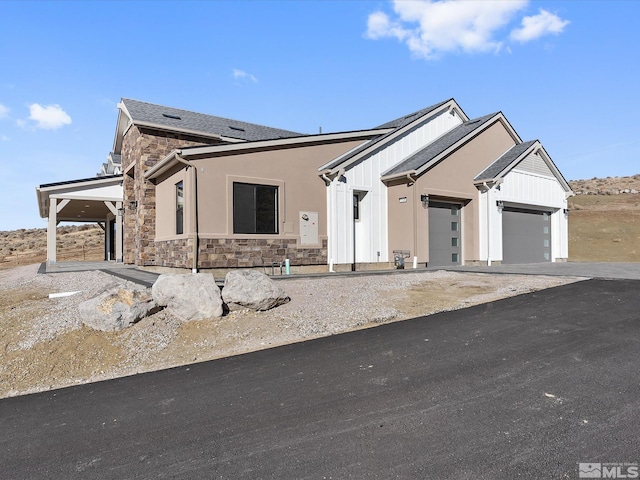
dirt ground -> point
(44, 346)
(604, 228)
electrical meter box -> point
(308, 228)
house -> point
(205, 192)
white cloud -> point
(241, 74)
(49, 117)
(4, 111)
(536, 26)
(4, 138)
(431, 28)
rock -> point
(251, 289)
(117, 308)
(191, 296)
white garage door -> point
(526, 236)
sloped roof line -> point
(442, 146)
(399, 126)
(512, 157)
(174, 119)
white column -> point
(107, 238)
(51, 230)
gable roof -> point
(170, 119)
(442, 146)
(509, 157)
(512, 157)
(390, 131)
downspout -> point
(194, 202)
(414, 206)
(329, 202)
(488, 225)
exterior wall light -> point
(133, 205)
(424, 199)
(121, 211)
(500, 205)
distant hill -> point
(604, 220)
(606, 186)
(75, 242)
(604, 225)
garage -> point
(445, 238)
(526, 235)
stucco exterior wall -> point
(300, 189)
(449, 180)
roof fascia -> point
(509, 167)
(44, 192)
(165, 128)
(170, 160)
(89, 182)
(498, 117)
(553, 168)
(122, 125)
(535, 147)
(449, 105)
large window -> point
(255, 208)
(179, 208)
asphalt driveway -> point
(526, 387)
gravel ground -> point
(43, 345)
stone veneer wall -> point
(175, 253)
(238, 253)
(145, 147)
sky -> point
(564, 72)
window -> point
(356, 206)
(255, 208)
(454, 226)
(179, 208)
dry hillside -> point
(26, 246)
(604, 220)
(604, 225)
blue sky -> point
(564, 72)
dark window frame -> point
(255, 209)
(179, 190)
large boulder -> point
(117, 308)
(251, 289)
(191, 296)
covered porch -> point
(96, 200)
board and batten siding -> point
(531, 184)
(364, 176)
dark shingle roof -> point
(405, 120)
(438, 146)
(116, 159)
(504, 161)
(395, 124)
(173, 118)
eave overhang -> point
(498, 117)
(536, 147)
(333, 167)
(170, 161)
(59, 189)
